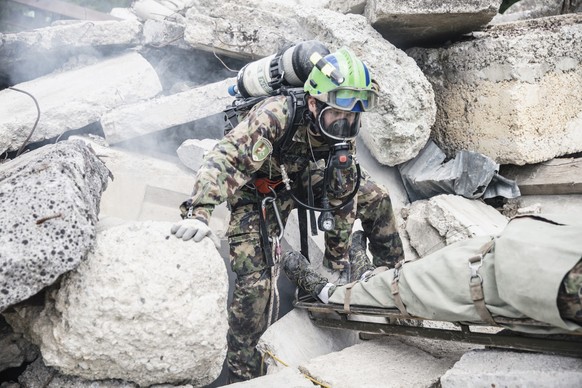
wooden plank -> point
(556, 176)
(67, 9)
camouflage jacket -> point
(246, 152)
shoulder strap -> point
(296, 104)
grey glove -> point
(191, 228)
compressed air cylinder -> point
(290, 67)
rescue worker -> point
(251, 163)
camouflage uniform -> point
(570, 295)
(228, 174)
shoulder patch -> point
(261, 149)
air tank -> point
(290, 67)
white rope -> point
(274, 299)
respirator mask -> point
(338, 128)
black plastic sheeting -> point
(470, 174)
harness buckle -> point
(475, 263)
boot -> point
(300, 272)
(360, 264)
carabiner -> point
(276, 210)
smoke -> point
(28, 55)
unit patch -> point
(261, 149)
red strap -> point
(264, 185)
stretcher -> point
(386, 321)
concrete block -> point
(427, 22)
(497, 368)
(294, 340)
(385, 362)
(512, 92)
(146, 117)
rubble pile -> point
(104, 123)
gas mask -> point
(338, 127)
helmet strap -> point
(313, 118)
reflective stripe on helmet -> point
(356, 92)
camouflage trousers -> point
(570, 295)
(249, 307)
(373, 207)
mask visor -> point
(341, 128)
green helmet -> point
(341, 80)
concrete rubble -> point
(427, 23)
(73, 99)
(442, 220)
(31, 54)
(487, 368)
(49, 209)
(512, 92)
(141, 308)
(191, 152)
(146, 95)
(145, 117)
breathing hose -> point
(347, 200)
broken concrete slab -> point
(454, 218)
(50, 201)
(420, 234)
(497, 368)
(529, 9)
(248, 31)
(288, 377)
(427, 23)
(457, 218)
(512, 93)
(146, 117)
(160, 33)
(347, 6)
(294, 339)
(160, 10)
(73, 99)
(31, 54)
(385, 362)
(38, 374)
(16, 350)
(145, 307)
